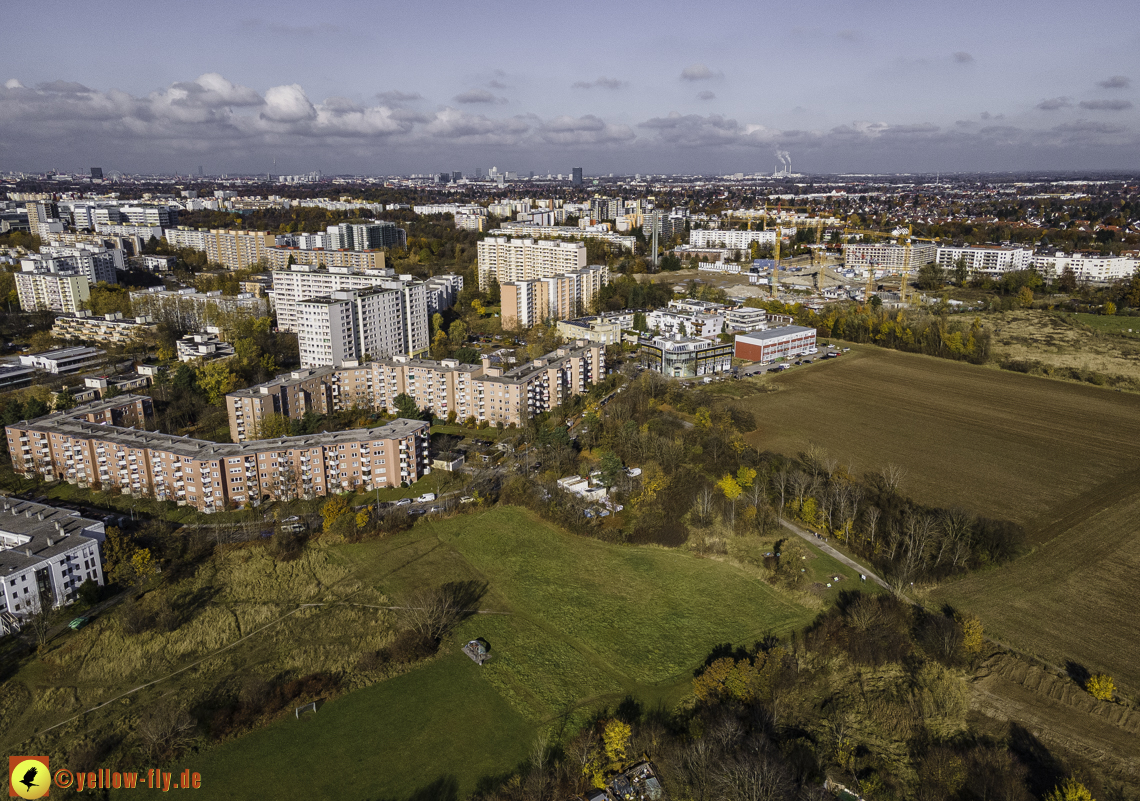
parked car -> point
(404, 502)
(466, 499)
(427, 497)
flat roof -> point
(774, 333)
(37, 523)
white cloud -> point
(13, 83)
(287, 104)
(585, 130)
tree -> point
(1109, 309)
(272, 425)
(142, 565)
(65, 399)
(332, 509)
(406, 407)
(1101, 687)
(457, 332)
(611, 468)
(961, 271)
(745, 476)
(1068, 280)
(437, 323)
(1025, 297)
(1070, 790)
(973, 639)
(40, 620)
(930, 277)
(615, 741)
(214, 379)
(732, 490)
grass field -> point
(574, 624)
(1065, 343)
(1057, 457)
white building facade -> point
(503, 259)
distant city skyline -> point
(723, 87)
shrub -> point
(1101, 687)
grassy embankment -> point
(573, 623)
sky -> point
(383, 88)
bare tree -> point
(892, 476)
(753, 777)
(874, 514)
(704, 504)
(165, 731)
(432, 612)
(39, 622)
(781, 483)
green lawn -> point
(1112, 324)
(435, 731)
(574, 624)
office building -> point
(46, 553)
(79, 447)
(604, 328)
(685, 357)
(576, 178)
(61, 292)
(64, 360)
(501, 259)
(484, 393)
(778, 343)
(556, 297)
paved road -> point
(827, 549)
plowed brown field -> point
(1059, 458)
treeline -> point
(911, 330)
(702, 484)
(871, 697)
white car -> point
(427, 497)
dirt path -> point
(834, 554)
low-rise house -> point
(64, 360)
(207, 345)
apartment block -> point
(366, 236)
(1087, 267)
(83, 326)
(350, 326)
(212, 476)
(733, 240)
(194, 310)
(289, 395)
(503, 259)
(487, 392)
(556, 297)
(62, 292)
(96, 262)
(233, 249)
(297, 284)
(354, 260)
(46, 553)
(990, 259)
(888, 257)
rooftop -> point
(774, 333)
(31, 533)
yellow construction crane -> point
(904, 241)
